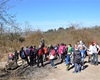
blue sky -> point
(51, 14)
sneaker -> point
(79, 71)
(67, 70)
(96, 64)
(74, 72)
(55, 66)
(82, 68)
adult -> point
(90, 53)
(27, 50)
(70, 49)
(31, 56)
(77, 59)
(96, 49)
(80, 44)
(35, 54)
(40, 56)
(42, 42)
(23, 56)
(60, 51)
(16, 56)
(52, 56)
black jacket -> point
(77, 56)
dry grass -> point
(68, 35)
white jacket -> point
(92, 49)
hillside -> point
(14, 41)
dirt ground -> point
(91, 72)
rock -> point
(11, 65)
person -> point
(77, 59)
(31, 56)
(61, 53)
(70, 52)
(40, 56)
(52, 56)
(16, 56)
(82, 50)
(80, 43)
(27, 50)
(96, 49)
(42, 42)
(46, 53)
(97, 46)
(56, 47)
(35, 54)
(10, 57)
(23, 56)
(67, 62)
(90, 53)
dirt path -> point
(91, 72)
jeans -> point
(95, 58)
(82, 63)
(77, 67)
(90, 58)
(52, 62)
(61, 56)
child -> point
(82, 50)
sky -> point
(52, 14)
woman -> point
(90, 54)
(77, 59)
(52, 56)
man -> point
(81, 44)
(96, 50)
(42, 42)
(23, 56)
(40, 56)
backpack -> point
(22, 54)
(40, 52)
(78, 56)
(27, 52)
(35, 51)
(31, 53)
(60, 50)
(53, 52)
(45, 50)
(56, 49)
(97, 47)
(64, 50)
(11, 56)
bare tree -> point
(4, 16)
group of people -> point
(71, 55)
(77, 55)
